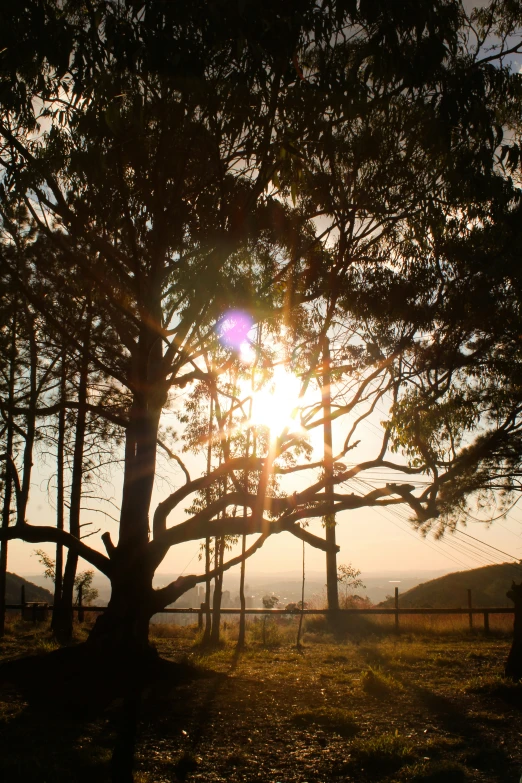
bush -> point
(266, 632)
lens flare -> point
(233, 328)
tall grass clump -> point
(381, 755)
(377, 683)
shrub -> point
(265, 632)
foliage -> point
(348, 577)
(348, 169)
(82, 581)
(270, 601)
(48, 563)
(296, 606)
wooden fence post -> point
(397, 609)
(22, 599)
(486, 622)
(470, 606)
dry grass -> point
(333, 719)
(418, 707)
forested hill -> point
(32, 591)
(488, 588)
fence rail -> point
(291, 612)
(37, 610)
(30, 610)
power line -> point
(483, 560)
(478, 555)
(461, 550)
(190, 561)
(486, 544)
(412, 535)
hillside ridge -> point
(488, 585)
(32, 592)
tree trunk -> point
(208, 617)
(513, 668)
(242, 600)
(60, 458)
(123, 628)
(218, 591)
(64, 617)
(329, 520)
(8, 485)
(300, 628)
(141, 438)
(30, 419)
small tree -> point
(348, 577)
(269, 602)
(83, 580)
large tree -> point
(177, 161)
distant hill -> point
(488, 585)
(32, 591)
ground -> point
(422, 707)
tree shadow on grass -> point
(483, 755)
(68, 717)
(177, 715)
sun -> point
(273, 405)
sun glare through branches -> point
(274, 405)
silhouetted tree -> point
(182, 160)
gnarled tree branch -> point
(39, 534)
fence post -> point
(200, 616)
(470, 606)
(22, 599)
(486, 622)
(397, 609)
(81, 615)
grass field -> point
(423, 706)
